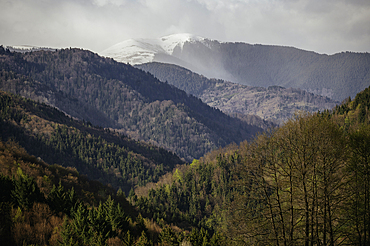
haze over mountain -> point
(337, 76)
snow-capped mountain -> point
(139, 51)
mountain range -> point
(337, 76)
(272, 84)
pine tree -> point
(26, 191)
(61, 200)
(143, 240)
(77, 230)
(168, 236)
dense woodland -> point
(98, 153)
(45, 204)
(180, 77)
(134, 101)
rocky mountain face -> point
(337, 76)
(120, 96)
(275, 103)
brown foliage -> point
(35, 226)
(114, 241)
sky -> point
(323, 26)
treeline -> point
(337, 76)
(25, 86)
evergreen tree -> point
(61, 200)
(143, 240)
(26, 191)
(168, 237)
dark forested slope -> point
(133, 101)
(100, 154)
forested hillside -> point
(98, 153)
(123, 97)
(275, 103)
(39, 202)
(29, 88)
(305, 183)
(43, 204)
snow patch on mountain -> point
(178, 40)
(134, 51)
(28, 48)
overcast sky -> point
(324, 26)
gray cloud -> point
(323, 26)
